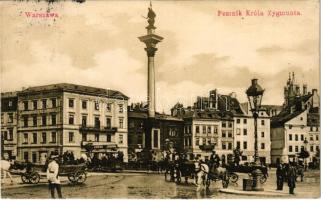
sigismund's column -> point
(151, 39)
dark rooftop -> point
(159, 116)
(73, 88)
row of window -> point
(238, 121)
(84, 105)
(43, 120)
(97, 123)
(296, 137)
(227, 145)
(204, 141)
(238, 145)
(296, 148)
(238, 131)
(97, 138)
(227, 124)
(35, 104)
(229, 134)
(206, 129)
(43, 138)
(314, 128)
(71, 138)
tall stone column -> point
(150, 40)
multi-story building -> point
(244, 134)
(220, 122)
(201, 133)
(167, 129)
(9, 124)
(209, 124)
(65, 117)
(297, 126)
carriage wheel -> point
(234, 177)
(34, 178)
(263, 179)
(72, 178)
(81, 177)
(24, 178)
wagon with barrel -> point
(32, 173)
(249, 169)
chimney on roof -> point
(305, 89)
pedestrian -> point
(291, 177)
(53, 176)
(279, 176)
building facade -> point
(296, 127)
(244, 135)
(9, 124)
(167, 131)
(66, 117)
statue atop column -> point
(151, 17)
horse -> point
(201, 171)
(5, 166)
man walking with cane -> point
(52, 176)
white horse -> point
(5, 165)
(201, 171)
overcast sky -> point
(95, 43)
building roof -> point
(284, 117)
(73, 88)
(158, 116)
(292, 110)
(9, 94)
(229, 104)
(297, 99)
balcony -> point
(100, 145)
(102, 129)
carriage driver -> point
(214, 160)
(52, 175)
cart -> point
(76, 173)
(232, 170)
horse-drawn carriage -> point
(32, 173)
(234, 169)
(190, 169)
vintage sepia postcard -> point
(160, 99)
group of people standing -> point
(286, 172)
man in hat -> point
(52, 176)
(291, 177)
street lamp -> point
(254, 94)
